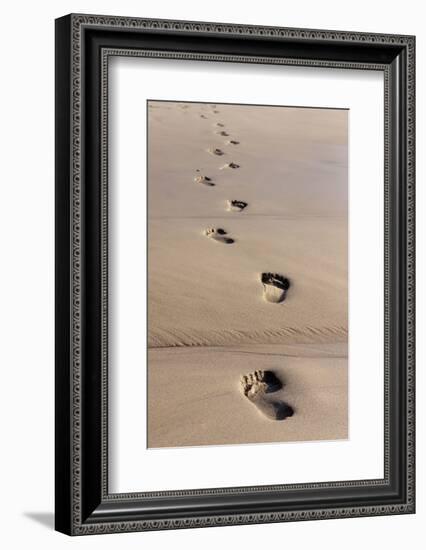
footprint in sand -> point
(218, 235)
(203, 116)
(222, 133)
(275, 287)
(204, 180)
(232, 142)
(257, 385)
(216, 151)
(236, 206)
(232, 165)
(219, 124)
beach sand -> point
(194, 396)
(208, 319)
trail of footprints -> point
(275, 286)
(255, 386)
(217, 233)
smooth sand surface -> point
(207, 293)
(194, 395)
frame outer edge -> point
(76, 270)
(411, 274)
(77, 22)
(63, 496)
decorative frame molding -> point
(84, 43)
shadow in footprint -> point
(216, 151)
(205, 180)
(232, 165)
(218, 235)
(275, 287)
(257, 385)
(272, 381)
(236, 206)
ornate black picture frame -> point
(83, 503)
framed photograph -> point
(234, 274)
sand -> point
(208, 319)
(194, 396)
